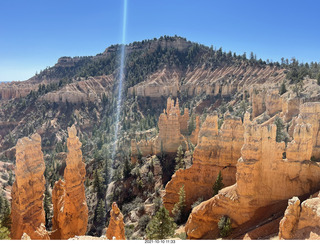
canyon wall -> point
(27, 211)
(217, 150)
(70, 207)
(264, 180)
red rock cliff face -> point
(70, 207)
(217, 150)
(27, 192)
(264, 180)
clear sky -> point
(35, 33)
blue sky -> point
(35, 33)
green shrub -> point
(224, 226)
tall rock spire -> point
(27, 212)
(70, 207)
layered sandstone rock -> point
(90, 90)
(301, 221)
(69, 200)
(265, 180)
(217, 150)
(115, 229)
(224, 81)
(27, 211)
(310, 113)
(270, 102)
(172, 125)
(290, 220)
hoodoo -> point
(70, 207)
(115, 229)
(27, 211)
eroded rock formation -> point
(217, 150)
(173, 129)
(69, 200)
(223, 81)
(90, 90)
(265, 180)
(115, 229)
(27, 211)
(301, 222)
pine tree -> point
(100, 214)
(47, 207)
(97, 184)
(161, 225)
(192, 124)
(318, 79)
(5, 219)
(179, 159)
(218, 185)
(281, 134)
(179, 208)
(283, 88)
(127, 169)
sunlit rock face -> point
(301, 222)
(27, 211)
(70, 207)
(173, 130)
(264, 180)
(217, 150)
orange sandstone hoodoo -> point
(27, 211)
(69, 200)
(115, 229)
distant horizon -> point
(37, 34)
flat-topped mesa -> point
(301, 222)
(217, 150)
(115, 230)
(69, 200)
(265, 180)
(173, 130)
(27, 212)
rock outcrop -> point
(290, 220)
(115, 229)
(69, 200)
(264, 182)
(173, 129)
(270, 102)
(223, 81)
(90, 90)
(27, 211)
(301, 222)
(217, 150)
